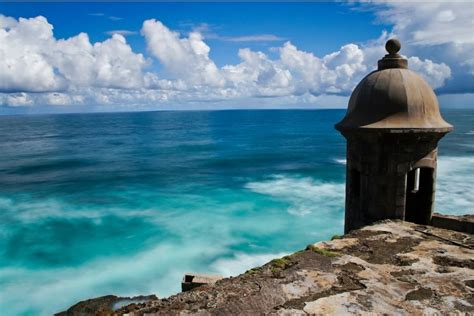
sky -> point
(119, 56)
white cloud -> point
(76, 71)
(111, 63)
(121, 32)
(57, 99)
(257, 75)
(438, 31)
(295, 72)
(23, 66)
(435, 74)
(206, 30)
(430, 22)
(252, 38)
(115, 18)
(17, 99)
(186, 58)
(33, 60)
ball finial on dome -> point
(393, 46)
(392, 59)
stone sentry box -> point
(392, 127)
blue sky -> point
(220, 55)
(310, 26)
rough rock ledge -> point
(391, 267)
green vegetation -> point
(336, 237)
(322, 252)
(253, 271)
(281, 263)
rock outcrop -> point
(107, 305)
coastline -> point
(391, 266)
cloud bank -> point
(37, 68)
(435, 30)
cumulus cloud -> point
(430, 22)
(17, 99)
(23, 66)
(33, 60)
(296, 72)
(257, 75)
(293, 72)
(111, 63)
(435, 30)
(435, 74)
(37, 68)
(183, 57)
(57, 99)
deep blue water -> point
(125, 203)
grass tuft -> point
(253, 271)
(282, 263)
(322, 252)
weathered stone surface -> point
(463, 224)
(107, 305)
(392, 267)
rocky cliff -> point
(391, 267)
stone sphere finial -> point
(393, 46)
(392, 59)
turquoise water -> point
(125, 203)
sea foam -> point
(225, 231)
(455, 185)
(304, 195)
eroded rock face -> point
(390, 267)
(107, 305)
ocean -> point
(126, 203)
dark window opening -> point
(419, 195)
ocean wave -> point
(304, 195)
(152, 271)
(340, 161)
(30, 210)
(101, 250)
(455, 185)
(51, 290)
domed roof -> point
(393, 97)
